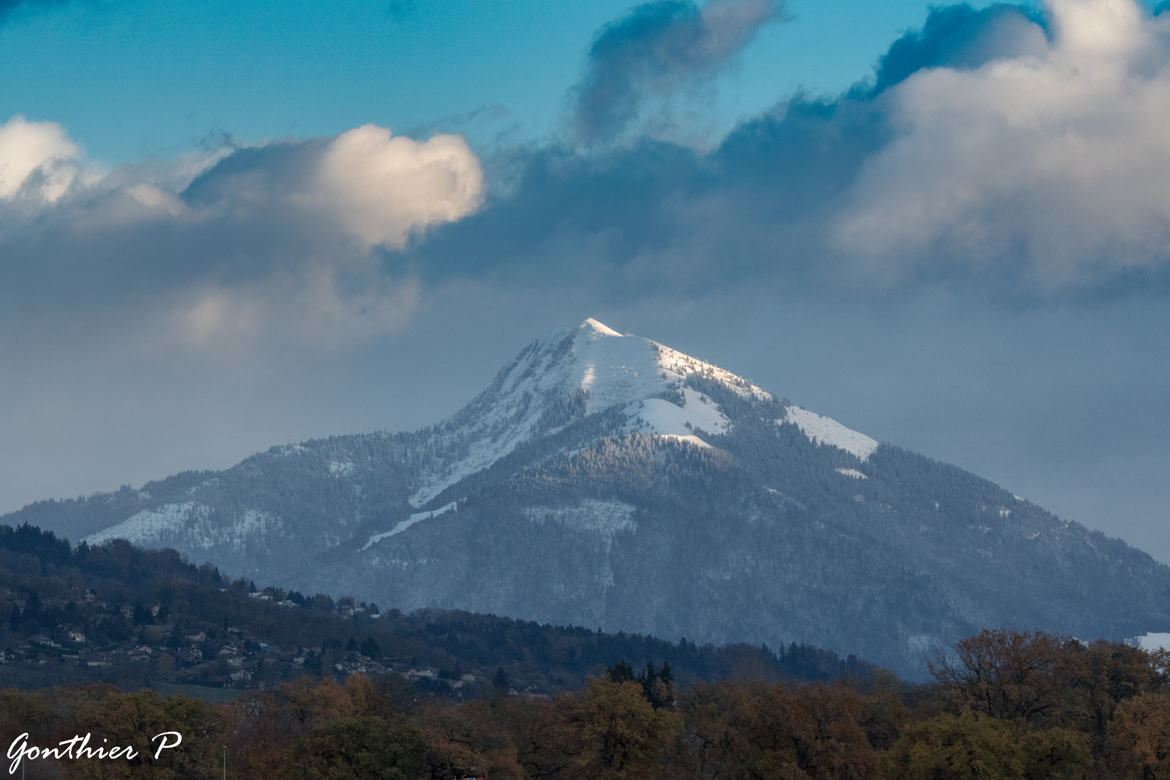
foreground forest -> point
(278, 684)
(1003, 705)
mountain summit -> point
(573, 374)
(607, 480)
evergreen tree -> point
(620, 672)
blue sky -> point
(138, 79)
(229, 225)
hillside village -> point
(98, 638)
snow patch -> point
(189, 524)
(150, 525)
(854, 473)
(402, 525)
(292, 449)
(698, 413)
(604, 518)
(921, 644)
(341, 468)
(824, 430)
(1151, 642)
(689, 439)
(253, 523)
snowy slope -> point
(824, 430)
(189, 523)
(600, 367)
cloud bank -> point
(998, 149)
(230, 250)
(1004, 150)
(1051, 162)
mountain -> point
(609, 481)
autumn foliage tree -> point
(1004, 705)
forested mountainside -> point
(119, 614)
(607, 480)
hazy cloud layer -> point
(656, 50)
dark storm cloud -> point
(655, 50)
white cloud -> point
(37, 160)
(1058, 161)
(385, 189)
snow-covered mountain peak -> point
(596, 327)
(577, 373)
(573, 374)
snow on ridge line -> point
(599, 327)
(680, 365)
(825, 430)
(686, 439)
(402, 525)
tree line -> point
(1002, 704)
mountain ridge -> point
(603, 479)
